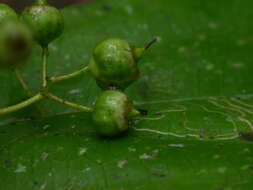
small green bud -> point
(7, 13)
(46, 22)
(112, 113)
(15, 43)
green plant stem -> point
(23, 83)
(70, 104)
(27, 90)
(44, 66)
(21, 105)
(69, 76)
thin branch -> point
(67, 103)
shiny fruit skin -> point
(113, 64)
(7, 13)
(111, 113)
(46, 22)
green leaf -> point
(196, 84)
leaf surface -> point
(195, 82)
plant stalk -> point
(69, 104)
(23, 83)
(27, 90)
(44, 66)
(69, 76)
(21, 105)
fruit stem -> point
(148, 45)
(44, 66)
(69, 76)
(21, 105)
(70, 104)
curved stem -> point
(44, 66)
(21, 105)
(70, 104)
(27, 90)
(69, 76)
(23, 83)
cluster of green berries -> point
(113, 63)
(40, 22)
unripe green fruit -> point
(45, 22)
(7, 13)
(112, 113)
(15, 43)
(114, 63)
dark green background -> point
(196, 84)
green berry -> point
(15, 43)
(46, 22)
(7, 13)
(114, 63)
(112, 113)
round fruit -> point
(45, 22)
(114, 64)
(112, 113)
(7, 13)
(15, 43)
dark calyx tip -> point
(150, 44)
(143, 112)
